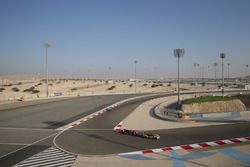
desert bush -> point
(73, 89)
(154, 86)
(111, 88)
(145, 84)
(2, 89)
(130, 85)
(19, 83)
(29, 89)
(50, 84)
(35, 91)
(39, 84)
(15, 89)
(10, 84)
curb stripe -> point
(191, 146)
(102, 111)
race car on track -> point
(151, 136)
(139, 134)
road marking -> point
(17, 144)
(236, 154)
(102, 111)
(8, 128)
(50, 157)
(29, 145)
(190, 146)
(177, 159)
(92, 129)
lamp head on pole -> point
(178, 53)
(222, 55)
(46, 45)
(135, 61)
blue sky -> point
(88, 36)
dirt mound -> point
(218, 106)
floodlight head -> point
(222, 55)
(247, 66)
(135, 61)
(178, 53)
(215, 64)
(46, 45)
(228, 64)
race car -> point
(151, 136)
(139, 134)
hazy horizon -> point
(89, 36)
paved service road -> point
(96, 136)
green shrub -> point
(203, 99)
(15, 89)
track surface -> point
(28, 130)
(96, 137)
(32, 129)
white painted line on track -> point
(38, 129)
(190, 146)
(92, 129)
(29, 145)
(17, 144)
(49, 157)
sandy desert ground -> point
(13, 90)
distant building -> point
(133, 79)
(247, 87)
(109, 81)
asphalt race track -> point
(29, 130)
(96, 137)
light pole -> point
(135, 62)
(246, 70)
(178, 53)
(215, 72)
(195, 65)
(222, 56)
(109, 73)
(46, 46)
(228, 64)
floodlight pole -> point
(135, 62)
(222, 56)
(46, 46)
(178, 53)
